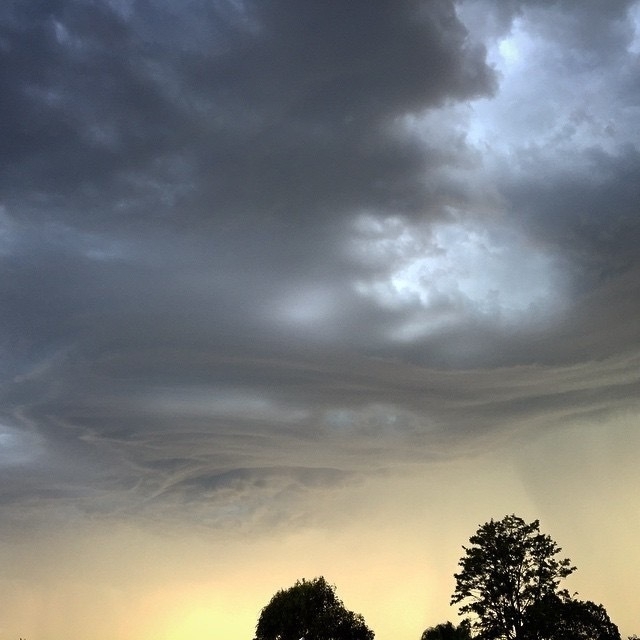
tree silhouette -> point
(448, 631)
(509, 567)
(557, 618)
(510, 581)
(310, 610)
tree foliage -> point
(510, 582)
(557, 618)
(311, 610)
(448, 631)
(509, 568)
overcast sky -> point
(299, 287)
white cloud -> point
(554, 102)
(509, 51)
(446, 273)
(634, 14)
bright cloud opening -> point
(509, 51)
(17, 448)
(305, 306)
(634, 13)
(443, 274)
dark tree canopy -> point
(448, 631)
(510, 582)
(311, 610)
(508, 568)
(557, 618)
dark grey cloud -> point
(240, 441)
(253, 251)
(590, 214)
(271, 110)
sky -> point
(295, 288)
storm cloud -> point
(253, 252)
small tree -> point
(311, 610)
(448, 631)
(509, 568)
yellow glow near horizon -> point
(390, 545)
(190, 613)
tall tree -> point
(310, 610)
(508, 568)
